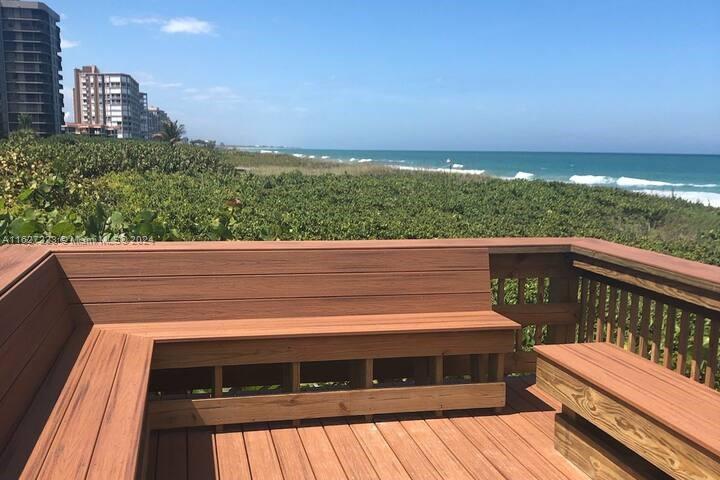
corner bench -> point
(86, 421)
(626, 417)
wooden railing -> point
(589, 294)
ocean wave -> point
(437, 170)
(591, 179)
(365, 160)
(325, 157)
(641, 182)
(524, 176)
(298, 155)
(709, 199)
(457, 165)
(703, 185)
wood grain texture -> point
(273, 308)
(228, 410)
(231, 456)
(277, 261)
(116, 449)
(244, 287)
(17, 260)
(655, 442)
(598, 457)
(280, 350)
(17, 303)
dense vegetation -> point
(120, 189)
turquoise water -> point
(693, 177)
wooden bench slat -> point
(243, 262)
(80, 425)
(319, 326)
(242, 287)
(116, 450)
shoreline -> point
(636, 185)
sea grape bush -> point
(89, 188)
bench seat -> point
(668, 419)
(92, 404)
(325, 326)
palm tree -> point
(172, 132)
(24, 121)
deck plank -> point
(232, 457)
(407, 451)
(201, 462)
(171, 463)
(262, 457)
(386, 464)
(435, 450)
(355, 462)
(320, 452)
(294, 462)
(499, 456)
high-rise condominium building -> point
(110, 100)
(156, 118)
(30, 65)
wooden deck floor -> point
(515, 444)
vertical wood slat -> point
(669, 337)
(697, 347)
(712, 361)
(633, 323)
(657, 332)
(602, 317)
(501, 291)
(592, 310)
(521, 300)
(584, 289)
(612, 313)
(538, 335)
(521, 291)
(644, 328)
(622, 319)
(562, 289)
(683, 342)
(479, 367)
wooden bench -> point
(626, 417)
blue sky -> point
(629, 76)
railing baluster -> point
(712, 360)
(669, 337)
(584, 287)
(612, 313)
(521, 284)
(657, 332)
(541, 290)
(601, 318)
(644, 328)
(697, 347)
(592, 309)
(501, 291)
(683, 342)
(633, 327)
(622, 319)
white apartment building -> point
(111, 100)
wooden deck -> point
(516, 443)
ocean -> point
(692, 177)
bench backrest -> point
(277, 282)
(35, 323)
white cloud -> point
(190, 25)
(65, 43)
(124, 21)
